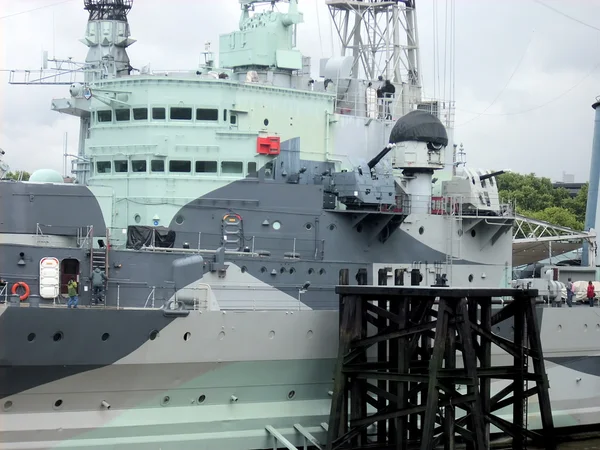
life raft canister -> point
(24, 286)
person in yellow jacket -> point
(72, 293)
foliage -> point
(535, 197)
(17, 175)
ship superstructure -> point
(222, 204)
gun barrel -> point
(380, 156)
(490, 175)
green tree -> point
(535, 197)
(23, 176)
(556, 215)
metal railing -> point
(256, 245)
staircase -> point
(99, 259)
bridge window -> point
(103, 167)
(105, 116)
(121, 166)
(178, 166)
(122, 115)
(232, 167)
(139, 166)
(206, 167)
(159, 114)
(252, 172)
(224, 115)
(181, 113)
(157, 165)
(140, 113)
(207, 114)
(233, 119)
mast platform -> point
(415, 369)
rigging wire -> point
(35, 9)
(524, 111)
(319, 26)
(515, 70)
(567, 16)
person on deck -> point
(570, 293)
(72, 293)
(98, 280)
(590, 293)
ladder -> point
(99, 258)
(454, 214)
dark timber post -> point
(410, 379)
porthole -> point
(201, 398)
(244, 269)
(31, 337)
(421, 230)
(137, 218)
(359, 228)
(7, 405)
(276, 225)
(291, 394)
(153, 334)
(263, 269)
(105, 336)
(187, 336)
(58, 403)
(282, 270)
(57, 336)
(473, 233)
(321, 271)
(331, 227)
(308, 226)
(311, 271)
(471, 278)
(179, 219)
(266, 122)
(165, 401)
(292, 270)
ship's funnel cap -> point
(419, 126)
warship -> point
(221, 203)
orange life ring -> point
(24, 286)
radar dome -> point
(46, 176)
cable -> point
(567, 16)
(505, 86)
(319, 26)
(35, 9)
(539, 106)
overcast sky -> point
(532, 72)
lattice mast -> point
(381, 36)
(107, 36)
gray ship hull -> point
(219, 386)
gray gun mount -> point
(360, 189)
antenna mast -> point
(371, 30)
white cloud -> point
(491, 37)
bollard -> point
(361, 277)
(399, 277)
(34, 302)
(415, 277)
